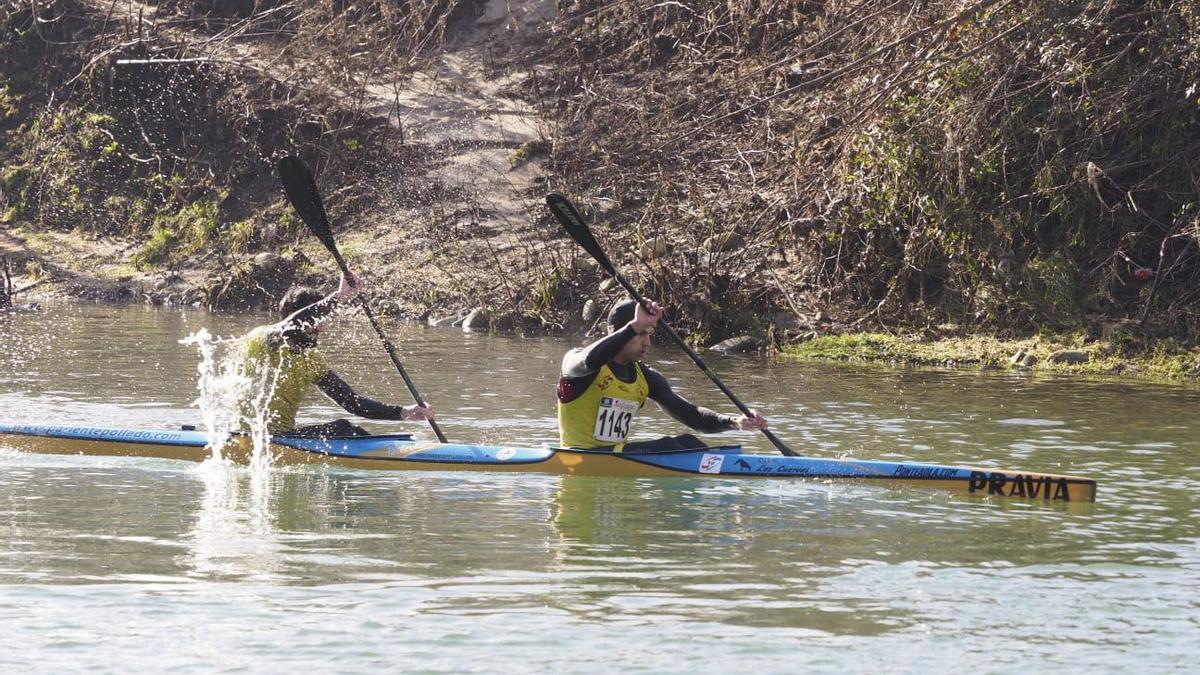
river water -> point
(133, 564)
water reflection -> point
(774, 555)
(234, 533)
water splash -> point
(232, 400)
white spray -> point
(232, 399)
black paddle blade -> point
(302, 192)
(572, 222)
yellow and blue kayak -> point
(402, 452)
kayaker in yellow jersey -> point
(603, 386)
(286, 353)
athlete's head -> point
(620, 315)
(302, 329)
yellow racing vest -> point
(602, 415)
(292, 372)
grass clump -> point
(1166, 360)
(157, 249)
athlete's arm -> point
(356, 404)
(348, 289)
(683, 410)
(587, 360)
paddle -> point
(573, 223)
(302, 192)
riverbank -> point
(54, 266)
(143, 170)
(1118, 351)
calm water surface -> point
(127, 564)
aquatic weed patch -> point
(1062, 353)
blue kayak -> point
(402, 452)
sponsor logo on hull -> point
(1049, 488)
(99, 434)
(772, 467)
(936, 472)
(711, 463)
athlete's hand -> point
(752, 421)
(349, 288)
(417, 412)
(645, 317)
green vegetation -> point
(1167, 360)
(242, 235)
(9, 104)
(157, 248)
(525, 152)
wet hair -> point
(297, 298)
(621, 314)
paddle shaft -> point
(391, 349)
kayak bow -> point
(402, 452)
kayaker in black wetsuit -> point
(603, 385)
(286, 352)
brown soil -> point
(452, 212)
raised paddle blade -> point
(302, 192)
(572, 222)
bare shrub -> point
(1002, 164)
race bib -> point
(613, 419)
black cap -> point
(621, 314)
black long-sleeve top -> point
(356, 404)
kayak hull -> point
(402, 452)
